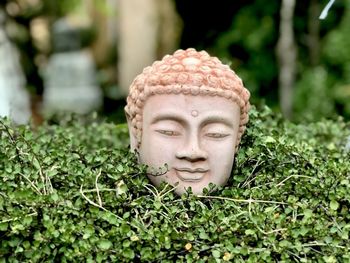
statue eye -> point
(168, 132)
(217, 135)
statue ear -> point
(133, 140)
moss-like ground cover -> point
(73, 193)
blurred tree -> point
(287, 57)
(313, 40)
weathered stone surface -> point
(70, 77)
(70, 84)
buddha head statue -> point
(186, 116)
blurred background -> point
(81, 55)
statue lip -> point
(190, 175)
(192, 170)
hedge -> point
(72, 192)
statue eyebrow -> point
(216, 119)
(168, 116)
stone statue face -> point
(186, 115)
(195, 136)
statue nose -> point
(192, 151)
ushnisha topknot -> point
(191, 73)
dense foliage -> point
(73, 193)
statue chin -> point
(187, 113)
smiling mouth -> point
(190, 175)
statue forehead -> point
(189, 105)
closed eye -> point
(216, 135)
(168, 132)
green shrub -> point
(73, 193)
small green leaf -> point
(54, 197)
(285, 243)
(36, 163)
(307, 213)
(104, 244)
(146, 253)
(157, 204)
(121, 187)
(269, 139)
(88, 231)
(249, 232)
(203, 235)
(334, 205)
(216, 253)
(128, 253)
(3, 226)
(120, 168)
